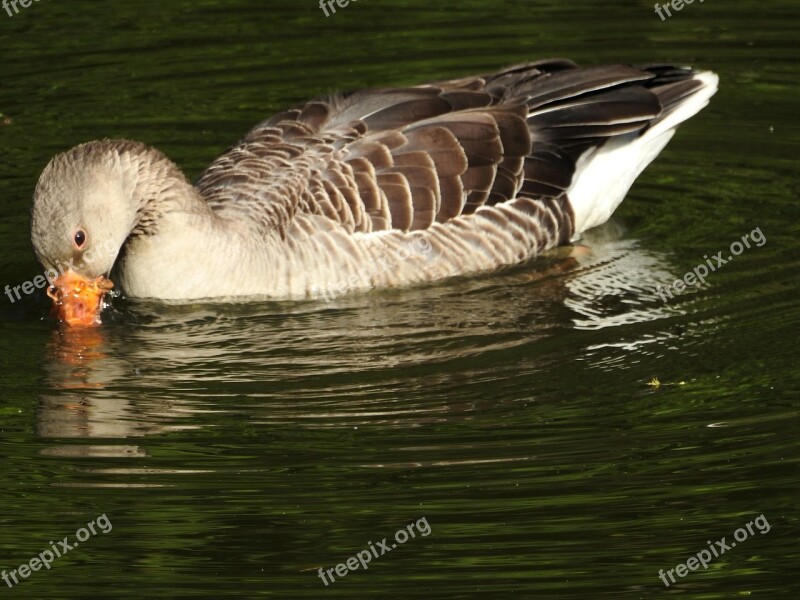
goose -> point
(371, 189)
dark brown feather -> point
(407, 158)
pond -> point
(557, 430)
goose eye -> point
(80, 238)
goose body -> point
(373, 189)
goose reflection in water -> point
(383, 358)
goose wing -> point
(406, 158)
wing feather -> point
(409, 158)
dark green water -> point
(237, 449)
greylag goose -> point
(378, 188)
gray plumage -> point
(371, 189)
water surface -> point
(236, 449)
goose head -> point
(83, 212)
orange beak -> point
(77, 301)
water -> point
(235, 450)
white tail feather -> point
(604, 175)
